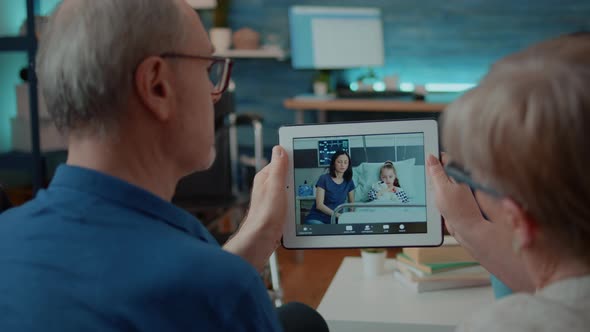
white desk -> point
(352, 298)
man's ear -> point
(153, 86)
(522, 224)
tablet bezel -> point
(434, 235)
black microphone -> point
(299, 317)
(24, 74)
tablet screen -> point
(360, 184)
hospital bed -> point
(412, 180)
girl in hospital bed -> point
(388, 189)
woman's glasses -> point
(460, 175)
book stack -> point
(445, 267)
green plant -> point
(221, 14)
(369, 77)
(323, 76)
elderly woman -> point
(518, 142)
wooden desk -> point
(351, 297)
(300, 105)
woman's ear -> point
(152, 81)
(524, 227)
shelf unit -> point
(8, 44)
(28, 44)
(263, 53)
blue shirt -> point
(335, 194)
(94, 253)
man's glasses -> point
(460, 175)
(219, 69)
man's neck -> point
(145, 169)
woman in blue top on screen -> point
(332, 190)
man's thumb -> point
(279, 160)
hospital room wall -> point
(306, 160)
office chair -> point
(5, 203)
(221, 191)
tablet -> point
(354, 185)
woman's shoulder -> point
(526, 312)
(322, 181)
(325, 177)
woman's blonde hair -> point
(522, 131)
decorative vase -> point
(373, 263)
(220, 38)
(246, 39)
(320, 88)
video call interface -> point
(365, 184)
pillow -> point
(416, 187)
(366, 174)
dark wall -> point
(425, 41)
(308, 158)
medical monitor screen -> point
(336, 37)
(327, 148)
(369, 184)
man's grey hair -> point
(89, 53)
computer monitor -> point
(336, 37)
(327, 148)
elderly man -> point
(133, 84)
